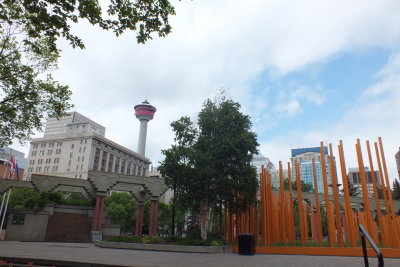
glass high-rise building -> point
(304, 157)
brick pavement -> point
(90, 255)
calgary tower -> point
(144, 113)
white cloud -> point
(218, 44)
(371, 116)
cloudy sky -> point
(305, 71)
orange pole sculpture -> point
(331, 228)
(318, 207)
(396, 236)
(300, 204)
(348, 210)
(336, 199)
(377, 203)
(282, 205)
(291, 211)
(367, 207)
(263, 206)
(385, 198)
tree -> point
(29, 31)
(27, 92)
(121, 208)
(53, 19)
(305, 187)
(396, 189)
(353, 190)
(210, 162)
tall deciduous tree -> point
(210, 161)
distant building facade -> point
(74, 144)
(355, 179)
(259, 160)
(304, 157)
(275, 177)
(5, 154)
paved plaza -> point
(90, 255)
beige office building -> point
(74, 144)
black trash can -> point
(247, 244)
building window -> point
(96, 159)
(41, 153)
(123, 166)
(80, 175)
(80, 149)
(77, 166)
(51, 144)
(85, 141)
(38, 169)
(83, 158)
(110, 162)
(84, 149)
(79, 158)
(103, 161)
(81, 141)
(58, 151)
(56, 160)
(69, 163)
(139, 170)
(59, 143)
(128, 169)
(32, 162)
(72, 146)
(70, 155)
(49, 152)
(116, 168)
(40, 161)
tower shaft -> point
(142, 137)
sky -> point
(304, 71)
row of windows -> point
(40, 161)
(45, 169)
(43, 145)
(43, 152)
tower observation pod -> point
(144, 113)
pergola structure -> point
(97, 186)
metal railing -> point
(364, 234)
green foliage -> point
(28, 92)
(121, 208)
(27, 198)
(53, 19)
(353, 190)
(305, 187)
(74, 199)
(187, 241)
(210, 161)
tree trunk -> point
(203, 219)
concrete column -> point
(142, 137)
(139, 219)
(153, 218)
(107, 161)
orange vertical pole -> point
(263, 207)
(318, 207)
(331, 233)
(349, 211)
(367, 207)
(336, 199)
(377, 203)
(389, 192)
(314, 234)
(282, 205)
(257, 225)
(300, 203)
(291, 211)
